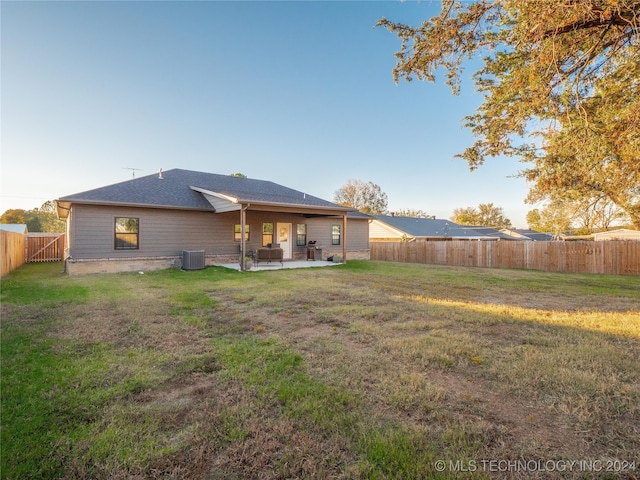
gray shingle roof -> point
(533, 235)
(492, 232)
(418, 227)
(173, 191)
(437, 227)
(428, 227)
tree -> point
(597, 214)
(43, 219)
(561, 85)
(551, 219)
(411, 212)
(366, 197)
(486, 215)
(466, 216)
(49, 221)
(579, 216)
(14, 215)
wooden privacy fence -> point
(12, 246)
(18, 249)
(45, 247)
(616, 257)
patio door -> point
(283, 231)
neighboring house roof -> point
(527, 234)
(488, 232)
(414, 227)
(14, 227)
(358, 214)
(619, 234)
(186, 189)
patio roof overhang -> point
(226, 203)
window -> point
(267, 234)
(126, 233)
(237, 232)
(335, 234)
(301, 234)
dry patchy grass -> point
(369, 371)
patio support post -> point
(344, 235)
(243, 218)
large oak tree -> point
(561, 86)
(366, 197)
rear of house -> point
(146, 223)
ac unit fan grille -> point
(192, 259)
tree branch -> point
(604, 21)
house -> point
(15, 228)
(148, 222)
(489, 233)
(619, 234)
(527, 234)
(392, 228)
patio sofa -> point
(269, 254)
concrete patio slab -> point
(262, 266)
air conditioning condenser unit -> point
(192, 259)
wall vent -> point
(192, 259)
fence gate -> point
(44, 247)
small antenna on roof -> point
(133, 171)
(160, 174)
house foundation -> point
(148, 264)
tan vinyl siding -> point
(164, 232)
(378, 229)
(357, 234)
(319, 229)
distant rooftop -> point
(14, 227)
(439, 228)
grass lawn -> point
(368, 370)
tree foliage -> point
(14, 215)
(43, 219)
(486, 215)
(411, 212)
(561, 85)
(366, 197)
(578, 216)
(552, 219)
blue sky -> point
(299, 93)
